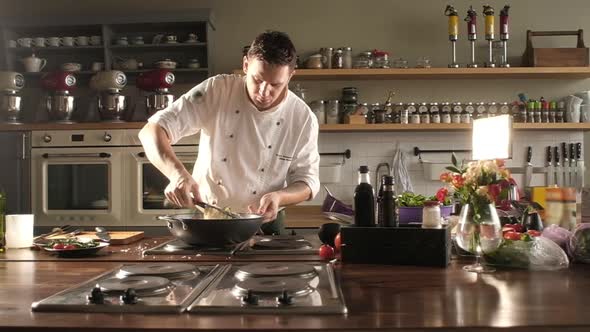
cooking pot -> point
(195, 230)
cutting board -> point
(116, 236)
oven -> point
(98, 177)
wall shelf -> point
(442, 73)
(158, 46)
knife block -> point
(404, 245)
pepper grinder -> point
(488, 12)
(453, 33)
(504, 35)
(471, 20)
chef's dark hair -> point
(275, 48)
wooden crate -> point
(556, 57)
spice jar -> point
(364, 60)
(400, 114)
(434, 113)
(481, 111)
(457, 110)
(333, 111)
(338, 59)
(445, 113)
(492, 109)
(413, 112)
(318, 107)
(467, 113)
(504, 108)
(431, 217)
(424, 115)
(380, 59)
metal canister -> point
(338, 59)
(327, 55)
(347, 57)
(318, 107)
(481, 110)
(333, 111)
(467, 113)
(434, 113)
(413, 113)
(445, 112)
(423, 111)
(400, 114)
(457, 110)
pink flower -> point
(441, 194)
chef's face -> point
(266, 84)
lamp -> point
(492, 138)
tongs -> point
(204, 205)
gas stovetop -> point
(257, 245)
(174, 287)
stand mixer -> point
(157, 84)
(10, 101)
(60, 103)
(111, 103)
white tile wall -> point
(374, 148)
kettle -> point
(33, 64)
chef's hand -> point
(183, 191)
(268, 207)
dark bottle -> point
(2, 220)
(364, 200)
(387, 204)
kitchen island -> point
(377, 297)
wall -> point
(407, 29)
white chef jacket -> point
(244, 153)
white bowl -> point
(71, 66)
(165, 64)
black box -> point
(405, 245)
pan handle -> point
(168, 220)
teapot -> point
(33, 63)
(126, 64)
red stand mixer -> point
(156, 83)
(60, 103)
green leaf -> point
(453, 169)
(454, 160)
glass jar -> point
(492, 109)
(364, 60)
(327, 55)
(349, 95)
(423, 111)
(400, 63)
(380, 59)
(318, 108)
(299, 91)
(333, 111)
(423, 62)
(373, 111)
(481, 110)
(413, 113)
(431, 217)
(347, 57)
(457, 111)
(338, 59)
(445, 113)
(504, 108)
(434, 113)
(388, 113)
(467, 113)
(399, 112)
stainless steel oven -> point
(98, 177)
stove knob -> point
(250, 298)
(96, 296)
(286, 298)
(107, 137)
(129, 297)
(47, 138)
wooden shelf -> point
(53, 48)
(441, 73)
(157, 46)
(177, 70)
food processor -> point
(111, 103)
(60, 103)
(156, 83)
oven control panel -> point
(73, 138)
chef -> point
(258, 141)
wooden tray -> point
(117, 238)
(556, 57)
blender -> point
(111, 103)
(157, 84)
(60, 103)
(10, 101)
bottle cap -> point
(387, 180)
(364, 169)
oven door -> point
(147, 184)
(77, 186)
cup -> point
(122, 41)
(170, 39)
(95, 40)
(11, 43)
(39, 41)
(192, 38)
(71, 66)
(572, 105)
(97, 66)
(585, 112)
(81, 41)
(67, 41)
(137, 40)
(53, 41)
(19, 230)
(24, 42)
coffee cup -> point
(170, 39)
(138, 40)
(25, 42)
(11, 43)
(97, 66)
(122, 41)
(67, 41)
(39, 41)
(95, 40)
(19, 230)
(192, 38)
(53, 41)
(81, 41)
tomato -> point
(514, 227)
(337, 242)
(533, 233)
(58, 246)
(510, 235)
(326, 252)
(70, 247)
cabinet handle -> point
(24, 146)
(76, 155)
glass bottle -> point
(2, 220)
(364, 200)
(387, 211)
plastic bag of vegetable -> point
(557, 234)
(533, 253)
(578, 246)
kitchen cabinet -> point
(152, 29)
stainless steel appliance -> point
(10, 101)
(98, 177)
(275, 288)
(156, 83)
(60, 103)
(111, 103)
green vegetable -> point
(75, 242)
(413, 200)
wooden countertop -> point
(377, 297)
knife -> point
(558, 170)
(528, 172)
(565, 165)
(580, 168)
(550, 170)
(572, 174)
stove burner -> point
(166, 270)
(178, 247)
(273, 243)
(143, 285)
(275, 270)
(273, 287)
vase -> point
(479, 231)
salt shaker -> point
(431, 217)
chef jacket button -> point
(254, 192)
(278, 123)
(237, 111)
(270, 146)
(231, 136)
(219, 182)
(224, 159)
(262, 169)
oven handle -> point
(76, 155)
(178, 154)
